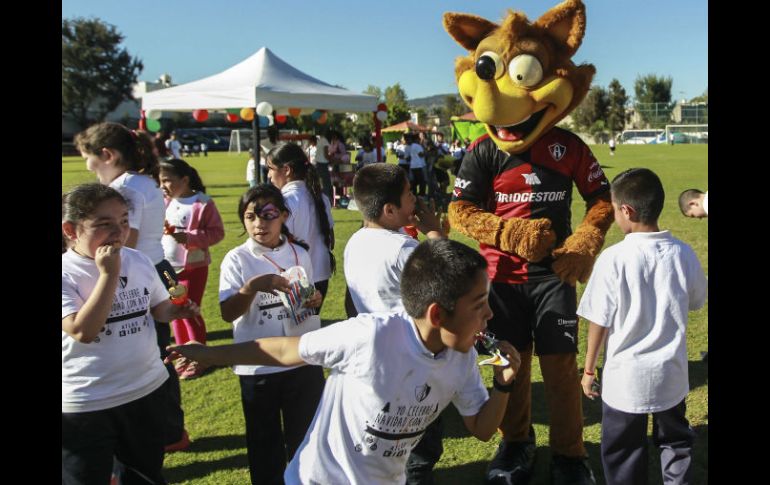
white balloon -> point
(264, 109)
(154, 114)
(353, 117)
(382, 115)
(270, 120)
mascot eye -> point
(525, 70)
(489, 66)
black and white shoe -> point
(512, 465)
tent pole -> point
(257, 147)
(377, 137)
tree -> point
(703, 98)
(653, 98)
(97, 74)
(616, 111)
(592, 109)
(398, 109)
(453, 106)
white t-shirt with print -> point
(303, 224)
(265, 317)
(178, 214)
(642, 289)
(146, 211)
(123, 363)
(374, 261)
(384, 389)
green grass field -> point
(212, 406)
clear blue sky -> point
(357, 43)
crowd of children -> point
(408, 348)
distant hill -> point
(430, 101)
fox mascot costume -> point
(513, 194)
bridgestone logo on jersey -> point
(531, 196)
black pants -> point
(323, 287)
(292, 395)
(132, 432)
(422, 459)
(418, 181)
(624, 445)
(172, 409)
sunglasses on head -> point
(268, 212)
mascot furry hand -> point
(520, 81)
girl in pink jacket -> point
(192, 225)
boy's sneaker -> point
(513, 464)
(180, 445)
(571, 471)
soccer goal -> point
(687, 134)
(240, 141)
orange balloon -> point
(247, 114)
(295, 112)
(322, 119)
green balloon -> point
(233, 111)
(153, 125)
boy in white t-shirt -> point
(638, 298)
(391, 373)
(375, 257)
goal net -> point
(687, 133)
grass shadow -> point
(199, 468)
(465, 474)
(699, 373)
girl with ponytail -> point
(310, 216)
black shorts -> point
(544, 312)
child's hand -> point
(425, 218)
(189, 310)
(315, 301)
(107, 258)
(268, 283)
(191, 355)
(590, 386)
(180, 237)
(505, 375)
(168, 228)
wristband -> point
(506, 388)
(588, 373)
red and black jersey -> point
(530, 185)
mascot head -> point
(519, 78)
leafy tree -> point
(453, 106)
(398, 108)
(97, 74)
(703, 98)
(653, 98)
(616, 111)
(593, 108)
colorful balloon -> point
(382, 115)
(154, 114)
(232, 118)
(382, 107)
(295, 112)
(264, 109)
(153, 125)
(263, 122)
(316, 114)
(280, 119)
(247, 114)
(200, 115)
(323, 118)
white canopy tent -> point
(262, 77)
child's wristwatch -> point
(506, 388)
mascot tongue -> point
(508, 134)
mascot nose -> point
(485, 68)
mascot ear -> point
(467, 30)
(566, 23)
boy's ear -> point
(69, 230)
(435, 315)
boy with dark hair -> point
(375, 257)
(694, 203)
(391, 373)
(375, 254)
(637, 298)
